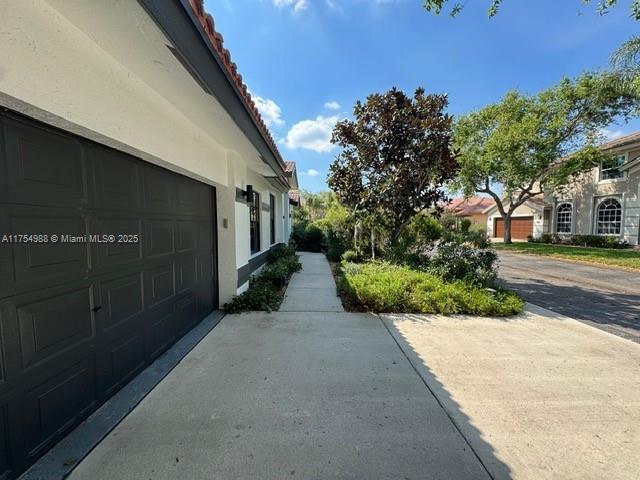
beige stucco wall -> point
(588, 191)
(102, 70)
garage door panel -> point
(159, 237)
(116, 180)
(186, 272)
(112, 255)
(43, 168)
(187, 233)
(121, 301)
(48, 326)
(205, 239)
(53, 406)
(192, 198)
(159, 285)
(186, 311)
(120, 361)
(521, 227)
(161, 330)
(159, 189)
(37, 264)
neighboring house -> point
(603, 201)
(472, 209)
(531, 219)
(129, 121)
(606, 200)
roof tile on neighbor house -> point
(217, 42)
(621, 141)
(469, 206)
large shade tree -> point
(526, 144)
(395, 157)
(493, 6)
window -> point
(609, 217)
(564, 217)
(272, 217)
(611, 168)
(254, 222)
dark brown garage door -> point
(521, 227)
(80, 319)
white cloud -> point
(611, 134)
(311, 173)
(298, 5)
(332, 105)
(270, 110)
(312, 134)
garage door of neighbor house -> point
(521, 227)
(80, 319)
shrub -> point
(417, 239)
(468, 257)
(598, 241)
(384, 287)
(261, 295)
(265, 291)
(280, 251)
(465, 225)
(351, 256)
(307, 237)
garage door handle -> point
(95, 309)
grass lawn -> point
(384, 288)
(629, 259)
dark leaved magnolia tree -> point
(530, 143)
(395, 158)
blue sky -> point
(307, 61)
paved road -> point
(602, 297)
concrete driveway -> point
(602, 297)
(538, 396)
(319, 394)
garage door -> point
(82, 316)
(521, 227)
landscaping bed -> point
(628, 259)
(266, 290)
(387, 288)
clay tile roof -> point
(289, 167)
(621, 141)
(469, 206)
(294, 197)
(217, 42)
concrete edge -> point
(60, 461)
(442, 397)
(538, 310)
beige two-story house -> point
(604, 201)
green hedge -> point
(266, 291)
(383, 287)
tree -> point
(602, 6)
(529, 143)
(395, 157)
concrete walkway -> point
(314, 395)
(313, 288)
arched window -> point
(609, 217)
(564, 218)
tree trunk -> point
(356, 233)
(373, 244)
(507, 228)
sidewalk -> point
(316, 394)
